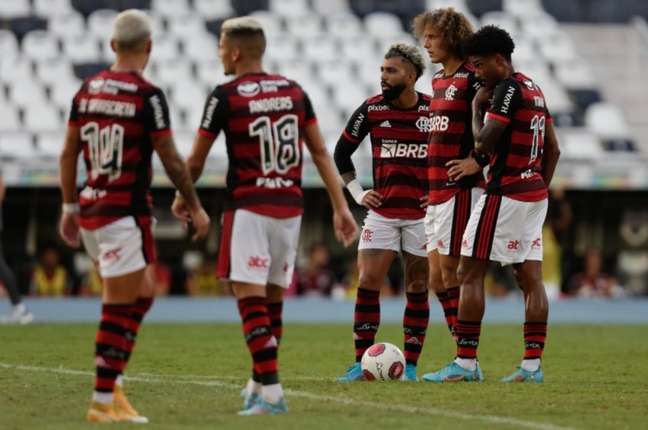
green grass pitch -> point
(189, 376)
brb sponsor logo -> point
(390, 148)
(439, 123)
(256, 262)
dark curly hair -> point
(490, 40)
(454, 26)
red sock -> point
(258, 336)
(366, 320)
(111, 345)
(138, 311)
(467, 333)
(449, 300)
(535, 334)
(275, 311)
(415, 322)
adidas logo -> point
(385, 124)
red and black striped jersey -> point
(117, 114)
(451, 131)
(263, 117)
(399, 150)
(516, 166)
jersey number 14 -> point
(105, 149)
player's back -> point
(264, 117)
(117, 114)
(517, 162)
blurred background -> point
(587, 55)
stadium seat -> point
(169, 8)
(579, 144)
(369, 72)
(14, 8)
(213, 9)
(165, 49)
(100, 22)
(270, 22)
(50, 144)
(385, 43)
(344, 26)
(331, 7)
(193, 117)
(186, 26)
(53, 71)
(187, 94)
(42, 118)
(8, 45)
(305, 27)
(526, 50)
(184, 141)
(209, 72)
(9, 118)
(349, 95)
(335, 72)
(62, 91)
(283, 49)
(67, 25)
(606, 121)
(26, 93)
(359, 48)
(83, 49)
(321, 50)
(52, 8)
(521, 8)
(383, 25)
(504, 20)
(300, 71)
(169, 72)
(289, 7)
(201, 48)
(15, 69)
(40, 45)
(575, 74)
(16, 144)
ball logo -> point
(368, 376)
(248, 89)
(396, 370)
(376, 350)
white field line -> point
(215, 382)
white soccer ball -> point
(383, 361)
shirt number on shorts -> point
(105, 149)
(538, 128)
(279, 142)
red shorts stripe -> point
(223, 266)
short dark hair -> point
(490, 40)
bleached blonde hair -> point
(246, 31)
(131, 28)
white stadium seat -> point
(100, 22)
(165, 49)
(213, 9)
(575, 75)
(188, 94)
(580, 144)
(283, 49)
(321, 50)
(53, 71)
(344, 26)
(69, 25)
(305, 27)
(26, 93)
(606, 121)
(201, 48)
(331, 7)
(521, 8)
(348, 96)
(186, 26)
(51, 8)
(17, 145)
(210, 72)
(300, 71)
(290, 7)
(40, 45)
(170, 72)
(503, 20)
(170, 7)
(383, 25)
(50, 144)
(14, 8)
(270, 22)
(8, 44)
(42, 118)
(62, 92)
(9, 118)
(15, 69)
(359, 48)
(83, 49)
(335, 72)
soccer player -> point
(19, 313)
(398, 123)
(450, 202)
(117, 120)
(265, 119)
(515, 136)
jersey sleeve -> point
(473, 86)
(507, 98)
(358, 126)
(309, 112)
(214, 115)
(156, 114)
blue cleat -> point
(353, 373)
(453, 373)
(410, 373)
(249, 400)
(521, 375)
(262, 407)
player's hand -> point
(425, 201)
(482, 96)
(371, 199)
(346, 229)
(464, 167)
(179, 209)
(200, 221)
(69, 229)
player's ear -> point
(113, 45)
(149, 46)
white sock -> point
(272, 393)
(103, 398)
(119, 381)
(20, 308)
(253, 387)
(467, 363)
(531, 365)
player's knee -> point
(417, 286)
(370, 281)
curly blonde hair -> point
(454, 26)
